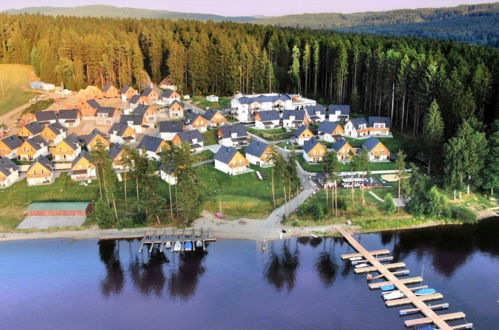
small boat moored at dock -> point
(362, 265)
(177, 247)
(168, 245)
(389, 287)
(424, 292)
(188, 246)
(199, 244)
(393, 295)
(355, 258)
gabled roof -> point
(167, 81)
(239, 129)
(115, 151)
(327, 127)
(313, 110)
(356, 122)
(93, 103)
(13, 142)
(83, 154)
(45, 115)
(44, 162)
(142, 109)
(256, 148)
(68, 114)
(210, 113)
(189, 136)
(125, 89)
(150, 143)
(269, 115)
(147, 91)
(108, 111)
(178, 102)
(34, 127)
(134, 99)
(371, 143)
(170, 126)
(57, 128)
(167, 93)
(72, 142)
(300, 130)
(89, 138)
(118, 129)
(310, 144)
(192, 118)
(299, 114)
(135, 119)
(37, 142)
(7, 166)
(263, 98)
(225, 154)
(168, 168)
(372, 120)
(343, 108)
(107, 87)
(340, 143)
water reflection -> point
(184, 281)
(326, 268)
(115, 277)
(147, 273)
(281, 268)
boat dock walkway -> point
(430, 316)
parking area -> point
(44, 222)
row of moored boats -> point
(179, 246)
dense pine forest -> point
(378, 75)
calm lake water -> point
(294, 284)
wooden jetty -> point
(160, 238)
(374, 268)
(430, 317)
(390, 258)
(410, 311)
(397, 273)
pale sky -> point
(250, 7)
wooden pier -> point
(430, 317)
(161, 237)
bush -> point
(125, 223)
(436, 202)
(313, 210)
(464, 214)
(388, 204)
(102, 214)
(342, 205)
(415, 208)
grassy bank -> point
(14, 92)
(275, 134)
(200, 101)
(39, 106)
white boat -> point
(168, 245)
(362, 265)
(177, 247)
(393, 295)
(355, 258)
(199, 244)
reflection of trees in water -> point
(115, 277)
(316, 241)
(325, 265)
(147, 272)
(386, 237)
(184, 281)
(304, 240)
(281, 270)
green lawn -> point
(202, 156)
(398, 142)
(373, 166)
(275, 134)
(210, 137)
(39, 106)
(200, 101)
(14, 89)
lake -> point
(294, 284)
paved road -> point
(188, 105)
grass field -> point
(373, 166)
(39, 106)
(210, 137)
(14, 89)
(398, 142)
(200, 101)
(202, 156)
(275, 134)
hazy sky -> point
(250, 7)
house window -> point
(379, 125)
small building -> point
(196, 121)
(122, 133)
(379, 126)
(149, 113)
(9, 146)
(127, 92)
(267, 119)
(356, 127)
(152, 147)
(192, 137)
(109, 91)
(169, 128)
(32, 149)
(95, 138)
(9, 173)
(316, 113)
(53, 133)
(167, 83)
(328, 130)
(45, 117)
(107, 115)
(116, 154)
(231, 161)
(292, 119)
(233, 135)
(41, 171)
(30, 130)
(313, 151)
(212, 98)
(176, 110)
(170, 95)
(259, 153)
(302, 134)
(69, 117)
(136, 100)
(377, 150)
(167, 173)
(88, 109)
(82, 168)
(137, 122)
(343, 149)
(215, 118)
(152, 95)
(67, 150)
(339, 112)
(55, 209)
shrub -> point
(342, 205)
(125, 223)
(464, 214)
(388, 204)
(102, 214)
(415, 208)
(436, 203)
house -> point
(292, 119)
(267, 119)
(233, 135)
(89, 109)
(379, 125)
(230, 161)
(53, 133)
(328, 130)
(149, 113)
(302, 134)
(29, 130)
(259, 153)
(82, 168)
(377, 150)
(167, 83)
(109, 91)
(356, 127)
(168, 129)
(339, 112)
(9, 172)
(9, 146)
(116, 154)
(343, 149)
(196, 121)
(95, 138)
(134, 121)
(69, 117)
(127, 92)
(166, 173)
(316, 113)
(32, 149)
(176, 110)
(152, 95)
(192, 137)
(136, 100)
(215, 118)
(122, 133)
(246, 105)
(41, 171)
(313, 151)
(212, 98)
(170, 95)
(45, 117)
(152, 146)
(67, 150)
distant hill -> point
(125, 12)
(477, 24)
